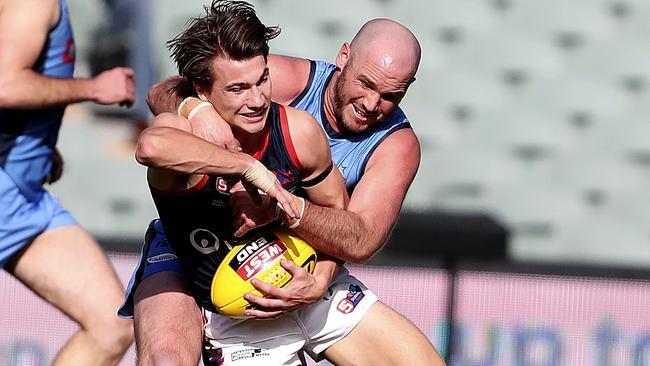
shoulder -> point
(309, 140)
(46, 11)
(289, 76)
(303, 127)
(400, 149)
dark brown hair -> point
(230, 29)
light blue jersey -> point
(350, 154)
(28, 137)
(27, 140)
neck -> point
(247, 141)
(328, 102)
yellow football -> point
(258, 257)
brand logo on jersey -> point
(69, 54)
(221, 185)
(162, 258)
(352, 299)
(252, 257)
(204, 241)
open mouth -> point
(254, 116)
(362, 115)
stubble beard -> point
(339, 97)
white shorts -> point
(280, 341)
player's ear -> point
(343, 56)
(200, 91)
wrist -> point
(92, 90)
(295, 222)
(190, 106)
(257, 174)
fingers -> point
(237, 187)
(285, 201)
(130, 87)
(233, 146)
(246, 225)
(295, 270)
(263, 314)
(267, 307)
(269, 290)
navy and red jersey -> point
(198, 222)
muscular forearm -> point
(181, 152)
(341, 234)
(166, 95)
(27, 89)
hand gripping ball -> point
(258, 257)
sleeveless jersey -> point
(198, 221)
(28, 137)
(350, 154)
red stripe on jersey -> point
(263, 141)
(284, 122)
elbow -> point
(361, 256)
(366, 248)
(358, 258)
(149, 148)
(5, 95)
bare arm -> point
(166, 95)
(289, 76)
(24, 25)
(170, 145)
(313, 151)
(357, 233)
(171, 150)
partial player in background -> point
(40, 242)
(378, 153)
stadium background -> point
(527, 228)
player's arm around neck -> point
(357, 233)
(24, 25)
(170, 147)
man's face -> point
(241, 92)
(366, 93)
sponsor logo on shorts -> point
(248, 353)
(352, 299)
(162, 258)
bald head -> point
(387, 43)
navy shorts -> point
(156, 256)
